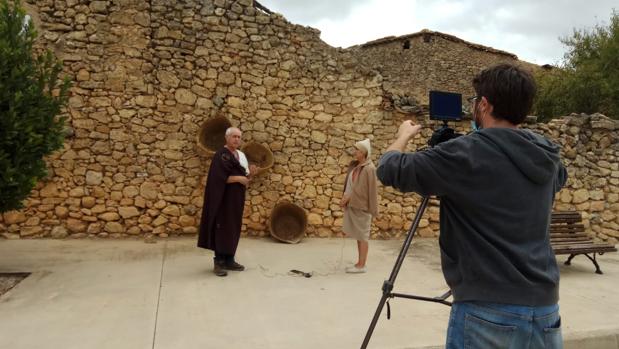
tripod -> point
(388, 284)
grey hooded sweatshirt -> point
(496, 190)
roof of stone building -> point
(389, 39)
(262, 8)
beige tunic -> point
(357, 223)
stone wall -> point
(149, 73)
(590, 151)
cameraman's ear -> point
(485, 106)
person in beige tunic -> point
(360, 202)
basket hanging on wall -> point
(288, 222)
(212, 134)
(259, 155)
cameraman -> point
(496, 189)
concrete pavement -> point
(128, 294)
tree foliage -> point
(31, 97)
(587, 80)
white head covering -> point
(365, 146)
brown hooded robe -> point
(222, 211)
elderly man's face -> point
(359, 154)
(233, 140)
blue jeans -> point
(492, 325)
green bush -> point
(587, 81)
(31, 96)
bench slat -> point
(567, 232)
(568, 227)
(570, 241)
(573, 245)
(565, 220)
(566, 214)
(567, 235)
(584, 248)
(559, 217)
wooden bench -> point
(568, 236)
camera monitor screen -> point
(445, 106)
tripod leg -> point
(388, 284)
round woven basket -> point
(212, 134)
(288, 222)
(259, 155)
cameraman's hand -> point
(408, 130)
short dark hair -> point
(510, 90)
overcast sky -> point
(528, 28)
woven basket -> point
(259, 155)
(212, 134)
(288, 222)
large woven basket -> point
(212, 134)
(288, 222)
(259, 155)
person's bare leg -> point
(362, 247)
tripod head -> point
(443, 134)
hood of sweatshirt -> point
(535, 156)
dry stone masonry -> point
(591, 153)
(147, 74)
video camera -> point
(444, 106)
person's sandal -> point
(355, 270)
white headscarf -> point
(365, 145)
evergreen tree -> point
(31, 96)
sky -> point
(529, 29)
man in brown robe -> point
(224, 198)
